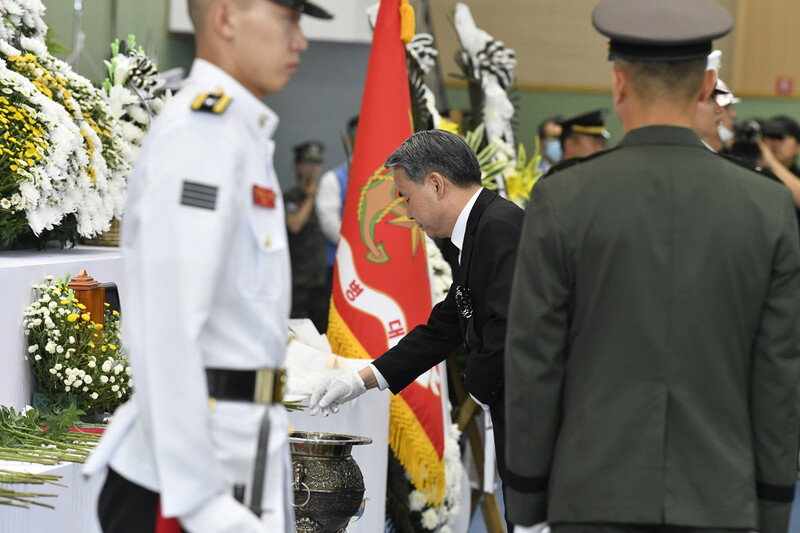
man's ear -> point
(619, 84)
(222, 17)
(439, 183)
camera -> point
(744, 140)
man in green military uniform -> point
(306, 240)
(653, 348)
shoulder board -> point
(567, 163)
(215, 103)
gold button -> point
(262, 121)
(267, 241)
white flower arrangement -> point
(439, 271)
(22, 17)
(39, 180)
(80, 184)
(67, 147)
(72, 355)
(443, 518)
(133, 90)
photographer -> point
(779, 145)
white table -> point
(75, 505)
(19, 270)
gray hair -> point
(437, 151)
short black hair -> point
(788, 125)
(659, 80)
(352, 124)
(437, 151)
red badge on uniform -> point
(264, 197)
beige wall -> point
(767, 45)
(557, 47)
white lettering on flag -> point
(366, 299)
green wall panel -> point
(105, 20)
(535, 106)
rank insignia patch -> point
(199, 195)
(264, 197)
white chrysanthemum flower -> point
(87, 379)
(117, 369)
(94, 396)
(106, 366)
(429, 519)
(53, 371)
(115, 388)
(417, 500)
(32, 348)
(37, 357)
(91, 364)
(139, 115)
(50, 347)
(103, 379)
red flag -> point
(381, 288)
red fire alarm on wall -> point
(784, 85)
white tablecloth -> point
(75, 505)
(19, 270)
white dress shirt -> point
(328, 204)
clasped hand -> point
(334, 391)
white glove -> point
(334, 391)
(541, 527)
(222, 514)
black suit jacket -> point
(487, 266)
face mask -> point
(724, 133)
(552, 150)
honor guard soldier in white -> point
(207, 292)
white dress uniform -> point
(207, 285)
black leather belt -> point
(265, 385)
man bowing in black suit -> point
(438, 176)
